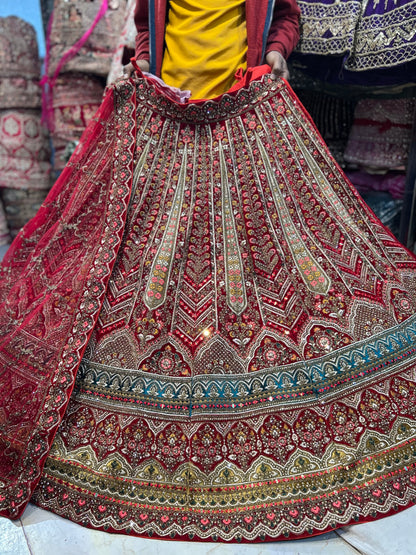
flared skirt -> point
(243, 357)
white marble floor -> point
(39, 532)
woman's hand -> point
(129, 69)
(278, 64)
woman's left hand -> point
(278, 64)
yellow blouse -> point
(205, 43)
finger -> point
(285, 74)
(279, 71)
(127, 71)
(276, 72)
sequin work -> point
(370, 35)
(251, 374)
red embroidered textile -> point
(24, 151)
(53, 279)
(75, 100)
(250, 369)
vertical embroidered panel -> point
(199, 417)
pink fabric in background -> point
(76, 98)
(391, 182)
(381, 133)
(72, 21)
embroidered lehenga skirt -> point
(206, 334)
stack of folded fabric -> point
(76, 98)
(72, 20)
(378, 144)
(24, 144)
(377, 154)
(381, 133)
(81, 43)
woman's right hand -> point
(129, 69)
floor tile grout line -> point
(348, 543)
(26, 538)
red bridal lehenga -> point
(206, 334)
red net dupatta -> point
(52, 285)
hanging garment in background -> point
(352, 41)
(74, 18)
(381, 133)
(371, 35)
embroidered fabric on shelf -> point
(371, 35)
(381, 133)
(391, 182)
(24, 166)
(24, 144)
(24, 151)
(19, 65)
(19, 56)
(76, 98)
(238, 327)
(71, 19)
(21, 205)
(125, 45)
(19, 92)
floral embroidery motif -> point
(195, 416)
